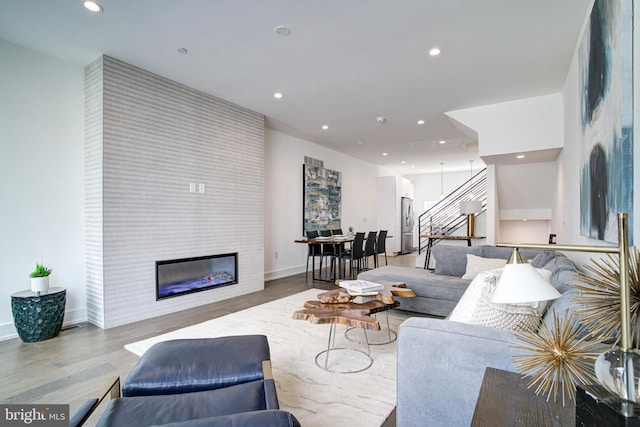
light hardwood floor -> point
(75, 365)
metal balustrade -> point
(444, 217)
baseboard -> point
(285, 272)
(71, 317)
(7, 331)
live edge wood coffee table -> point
(339, 307)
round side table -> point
(38, 317)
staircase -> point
(444, 217)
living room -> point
(45, 199)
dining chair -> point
(370, 248)
(313, 251)
(339, 248)
(356, 255)
(328, 250)
(381, 246)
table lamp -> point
(521, 283)
(618, 369)
(470, 208)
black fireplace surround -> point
(187, 275)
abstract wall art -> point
(606, 100)
(322, 190)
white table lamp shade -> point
(470, 207)
(521, 283)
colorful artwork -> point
(322, 189)
(605, 66)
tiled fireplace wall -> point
(147, 138)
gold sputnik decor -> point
(558, 357)
(600, 296)
(562, 354)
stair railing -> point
(444, 217)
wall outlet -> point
(192, 187)
(200, 188)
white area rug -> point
(316, 397)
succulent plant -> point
(40, 271)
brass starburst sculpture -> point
(558, 356)
(600, 296)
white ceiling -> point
(344, 63)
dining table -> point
(338, 240)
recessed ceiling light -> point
(92, 6)
(282, 30)
(435, 51)
(182, 50)
(520, 156)
(403, 162)
(278, 95)
(413, 166)
(325, 127)
(443, 142)
(385, 154)
(420, 122)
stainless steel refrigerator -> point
(406, 225)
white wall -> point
(528, 125)
(524, 125)
(284, 156)
(427, 186)
(566, 209)
(41, 177)
(158, 137)
(536, 231)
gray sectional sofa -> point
(441, 363)
(438, 292)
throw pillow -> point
(478, 264)
(463, 311)
(452, 260)
(475, 306)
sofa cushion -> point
(563, 272)
(541, 259)
(423, 283)
(489, 251)
(452, 260)
(188, 365)
(478, 264)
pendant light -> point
(441, 181)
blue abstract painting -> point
(606, 100)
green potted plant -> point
(350, 230)
(40, 278)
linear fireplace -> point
(183, 276)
